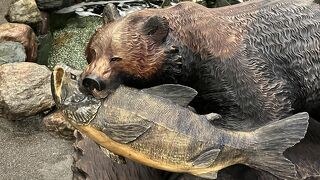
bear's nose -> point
(92, 82)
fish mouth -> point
(77, 107)
(57, 77)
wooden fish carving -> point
(154, 127)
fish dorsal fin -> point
(128, 132)
(114, 157)
(205, 159)
(177, 93)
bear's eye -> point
(115, 58)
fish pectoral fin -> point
(213, 116)
(205, 159)
(208, 175)
(114, 157)
(179, 94)
(125, 133)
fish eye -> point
(73, 77)
(115, 58)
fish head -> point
(78, 108)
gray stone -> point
(24, 11)
(11, 52)
(27, 152)
(24, 90)
(4, 9)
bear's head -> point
(135, 49)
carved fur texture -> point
(253, 63)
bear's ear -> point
(157, 28)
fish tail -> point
(272, 140)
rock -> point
(55, 122)
(20, 33)
(24, 90)
(11, 52)
(28, 152)
(49, 4)
(24, 11)
(4, 9)
(110, 13)
(55, 4)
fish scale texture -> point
(168, 120)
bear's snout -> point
(92, 82)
